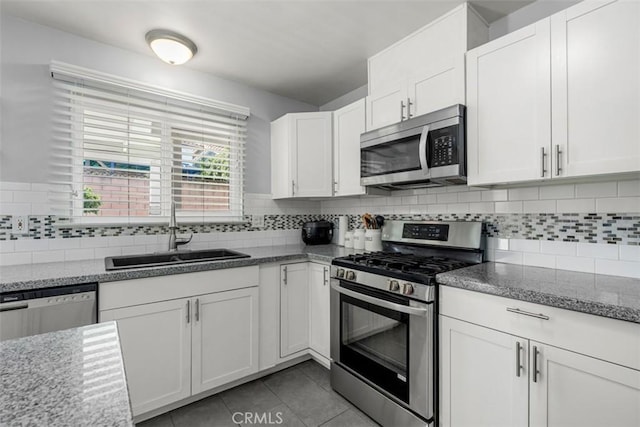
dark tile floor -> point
(298, 396)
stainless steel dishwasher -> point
(38, 311)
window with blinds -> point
(126, 150)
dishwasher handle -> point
(10, 306)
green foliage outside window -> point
(92, 201)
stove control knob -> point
(394, 285)
(407, 288)
(340, 273)
(350, 275)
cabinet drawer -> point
(127, 293)
(614, 340)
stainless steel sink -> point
(170, 258)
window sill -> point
(124, 222)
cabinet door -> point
(576, 390)
(156, 346)
(319, 308)
(269, 315)
(388, 107)
(509, 107)
(281, 174)
(294, 308)
(348, 124)
(312, 154)
(225, 337)
(441, 86)
(478, 381)
(596, 88)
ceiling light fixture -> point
(170, 46)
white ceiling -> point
(310, 50)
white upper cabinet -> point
(559, 98)
(301, 155)
(348, 124)
(596, 88)
(424, 71)
(509, 107)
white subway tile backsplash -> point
(566, 191)
(409, 200)
(482, 207)
(457, 189)
(16, 208)
(526, 193)
(94, 242)
(576, 205)
(539, 260)
(470, 196)
(539, 206)
(48, 256)
(597, 189)
(458, 208)
(629, 188)
(64, 244)
(15, 186)
(7, 246)
(619, 204)
(29, 196)
(508, 257)
(119, 241)
(447, 198)
(15, 258)
(6, 196)
(31, 245)
(629, 253)
(618, 268)
(586, 265)
(427, 199)
(497, 243)
(494, 195)
(558, 248)
(597, 250)
(105, 252)
(78, 254)
(508, 207)
(436, 190)
(523, 245)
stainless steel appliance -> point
(384, 316)
(45, 310)
(427, 150)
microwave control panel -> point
(444, 149)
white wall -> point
(26, 51)
(527, 15)
(345, 99)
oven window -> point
(374, 343)
(393, 157)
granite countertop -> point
(608, 296)
(38, 276)
(64, 378)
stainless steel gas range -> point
(384, 318)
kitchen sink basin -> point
(170, 258)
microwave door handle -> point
(424, 149)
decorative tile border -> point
(609, 228)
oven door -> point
(396, 157)
(385, 340)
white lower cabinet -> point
(294, 308)
(225, 338)
(523, 377)
(479, 385)
(177, 339)
(156, 346)
(319, 277)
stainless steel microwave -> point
(425, 151)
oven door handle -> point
(423, 149)
(413, 311)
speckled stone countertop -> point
(38, 276)
(608, 296)
(67, 378)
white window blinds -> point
(125, 150)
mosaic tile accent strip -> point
(612, 228)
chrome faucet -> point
(175, 241)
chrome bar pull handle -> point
(293, 187)
(402, 117)
(535, 364)
(324, 275)
(188, 311)
(284, 279)
(197, 309)
(409, 104)
(543, 157)
(558, 152)
(528, 313)
(518, 365)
